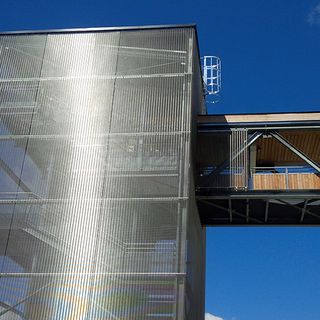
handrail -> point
(284, 177)
(264, 178)
(283, 169)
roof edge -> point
(98, 29)
(259, 113)
(308, 119)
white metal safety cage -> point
(211, 68)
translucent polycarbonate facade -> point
(97, 212)
(223, 160)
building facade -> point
(97, 208)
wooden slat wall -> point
(213, 149)
(271, 151)
(277, 181)
(274, 181)
(304, 181)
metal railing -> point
(283, 178)
(260, 178)
(229, 178)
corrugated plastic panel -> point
(223, 160)
(95, 176)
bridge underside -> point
(260, 209)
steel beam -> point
(305, 210)
(230, 209)
(14, 177)
(6, 306)
(296, 151)
(13, 308)
(233, 211)
(256, 135)
(261, 195)
(266, 212)
(216, 127)
(247, 210)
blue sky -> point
(270, 52)
(263, 273)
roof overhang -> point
(262, 120)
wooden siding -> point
(304, 181)
(213, 149)
(271, 151)
(277, 181)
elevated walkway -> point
(259, 169)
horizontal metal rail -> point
(85, 77)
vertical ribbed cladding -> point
(140, 232)
(20, 65)
(20, 61)
(196, 244)
(78, 78)
(238, 159)
(101, 233)
(54, 229)
(223, 157)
